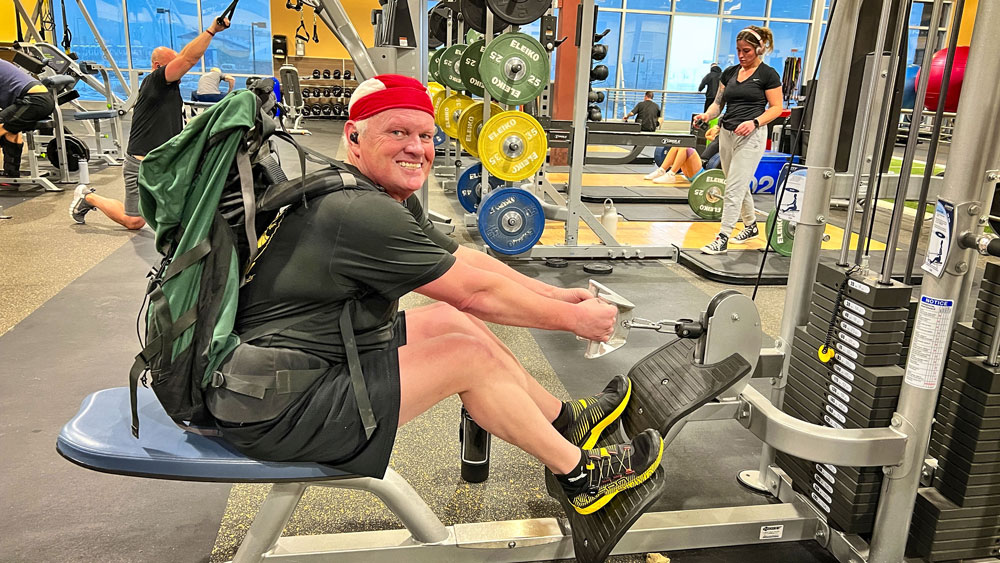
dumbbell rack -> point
(858, 388)
(306, 66)
(959, 518)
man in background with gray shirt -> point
(208, 86)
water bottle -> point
(84, 168)
(475, 449)
(610, 217)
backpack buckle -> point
(218, 379)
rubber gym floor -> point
(71, 294)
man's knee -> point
(133, 223)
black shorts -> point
(26, 111)
(324, 425)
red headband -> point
(388, 91)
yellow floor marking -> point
(627, 180)
(681, 233)
(608, 148)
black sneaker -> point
(618, 468)
(717, 246)
(589, 417)
(746, 234)
(79, 207)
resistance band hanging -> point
(302, 32)
(227, 14)
(46, 19)
(315, 36)
(67, 40)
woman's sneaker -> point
(666, 178)
(746, 234)
(79, 207)
(590, 417)
(717, 246)
(655, 173)
(617, 468)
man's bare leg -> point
(115, 210)
(438, 367)
(441, 318)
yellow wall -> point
(8, 29)
(968, 19)
(285, 21)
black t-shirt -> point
(647, 115)
(157, 114)
(746, 100)
(349, 244)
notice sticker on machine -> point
(929, 343)
(940, 238)
(790, 202)
(772, 532)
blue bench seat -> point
(98, 438)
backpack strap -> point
(354, 365)
(249, 202)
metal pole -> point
(830, 95)
(878, 148)
(911, 252)
(104, 47)
(812, 43)
(27, 20)
(966, 181)
(869, 100)
(333, 15)
(895, 225)
(575, 187)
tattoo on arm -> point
(719, 101)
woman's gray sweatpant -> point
(740, 157)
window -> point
(153, 23)
(609, 3)
(644, 53)
(661, 5)
(790, 40)
(728, 30)
(794, 9)
(744, 8)
(107, 19)
(246, 46)
(698, 6)
(690, 55)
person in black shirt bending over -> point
(156, 119)
(751, 93)
(646, 113)
(710, 83)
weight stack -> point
(959, 518)
(908, 333)
(858, 388)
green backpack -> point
(208, 194)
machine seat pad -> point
(58, 81)
(99, 438)
(96, 114)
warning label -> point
(773, 532)
(929, 344)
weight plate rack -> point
(857, 388)
(959, 518)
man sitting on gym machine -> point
(208, 86)
(156, 119)
(24, 101)
(351, 254)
